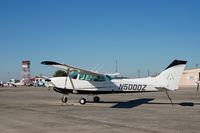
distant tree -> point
(60, 73)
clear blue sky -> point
(141, 34)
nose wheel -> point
(64, 99)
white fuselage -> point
(114, 85)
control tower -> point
(26, 75)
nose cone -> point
(59, 82)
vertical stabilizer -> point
(170, 77)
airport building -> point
(189, 77)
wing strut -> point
(169, 97)
(74, 89)
(70, 79)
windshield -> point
(74, 74)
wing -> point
(67, 67)
(113, 74)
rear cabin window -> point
(108, 77)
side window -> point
(82, 76)
(99, 78)
(89, 78)
(108, 77)
(17, 81)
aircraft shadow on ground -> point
(132, 103)
(127, 104)
(143, 101)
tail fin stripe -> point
(175, 63)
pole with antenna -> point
(116, 67)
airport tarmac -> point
(37, 110)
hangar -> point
(189, 77)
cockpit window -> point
(74, 74)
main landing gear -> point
(82, 101)
(96, 99)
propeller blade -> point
(199, 76)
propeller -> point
(198, 82)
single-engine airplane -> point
(81, 81)
(15, 83)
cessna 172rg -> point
(80, 81)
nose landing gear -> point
(64, 99)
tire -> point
(64, 99)
(82, 101)
(96, 99)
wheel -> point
(64, 99)
(82, 101)
(96, 99)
